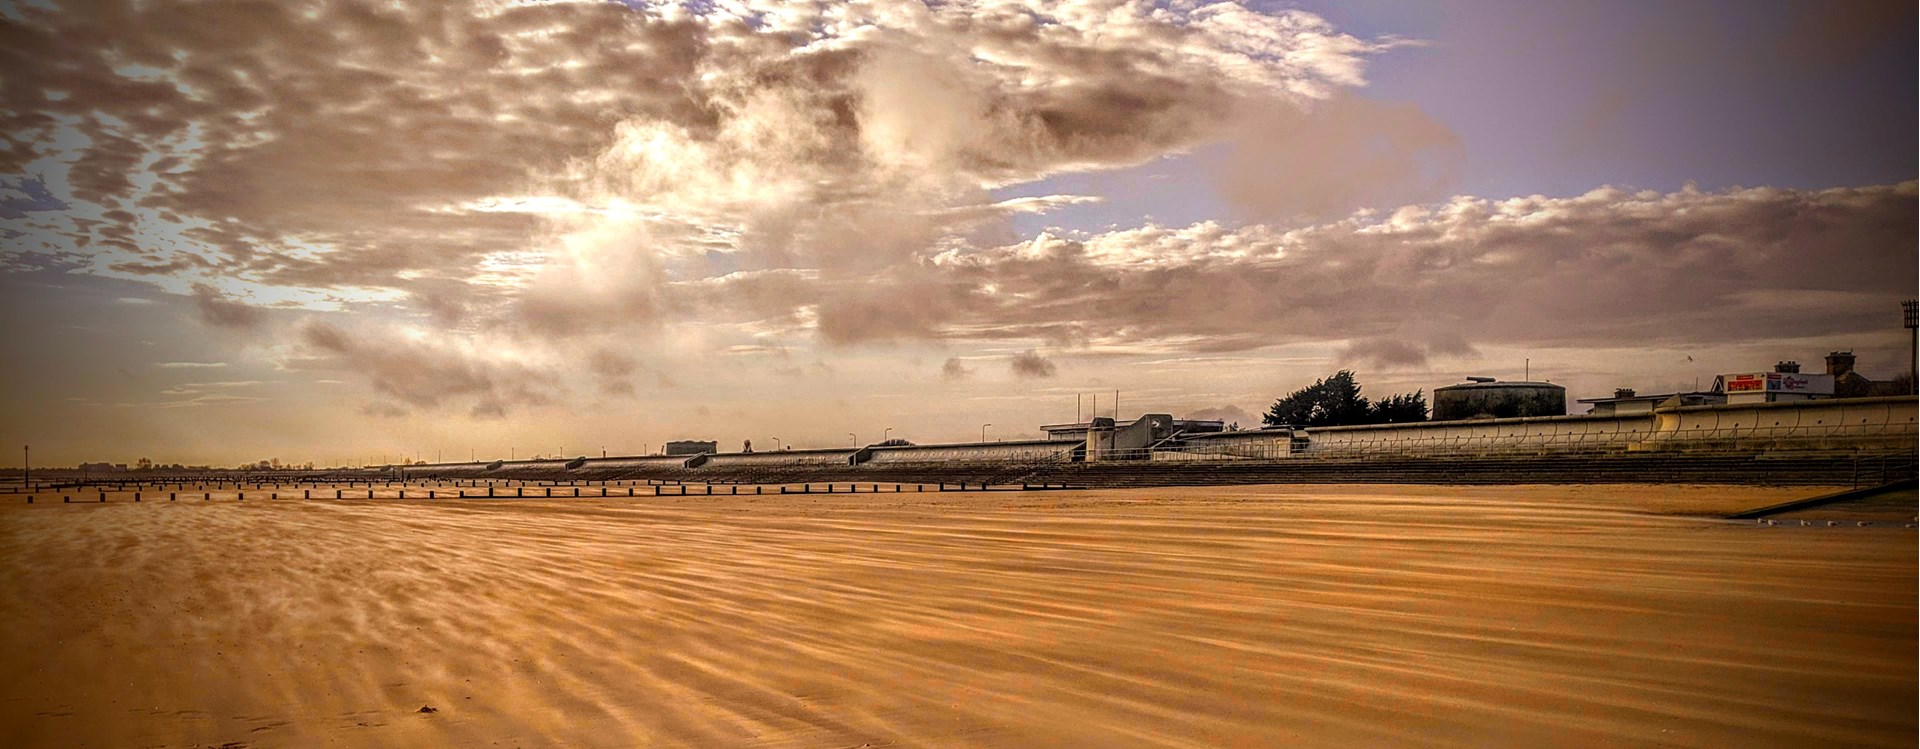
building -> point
(1848, 383)
(1773, 387)
(692, 447)
(1785, 383)
(1486, 398)
(1625, 402)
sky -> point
(350, 232)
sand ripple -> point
(1235, 616)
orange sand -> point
(1202, 617)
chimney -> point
(1623, 392)
(1839, 363)
(1788, 367)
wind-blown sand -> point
(1218, 616)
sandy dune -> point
(1224, 616)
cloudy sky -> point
(346, 231)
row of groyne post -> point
(171, 491)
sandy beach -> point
(1198, 617)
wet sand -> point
(1200, 617)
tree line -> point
(1336, 401)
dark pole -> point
(1913, 352)
(26, 464)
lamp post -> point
(1913, 333)
(776, 444)
(886, 435)
(983, 432)
(851, 438)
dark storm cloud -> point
(955, 369)
(1030, 364)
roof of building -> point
(1497, 385)
(1650, 397)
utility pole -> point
(1527, 371)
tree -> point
(1397, 409)
(1336, 401)
(1327, 402)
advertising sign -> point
(1779, 382)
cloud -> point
(1030, 364)
(426, 374)
(200, 388)
(22, 195)
(764, 176)
(1607, 268)
(955, 369)
(1229, 413)
(1395, 353)
(558, 163)
(190, 364)
(613, 371)
(217, 310)
(383, 410)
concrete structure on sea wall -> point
(690, 447)
(1486, 398)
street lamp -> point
(887, 435)
(776, 444)
(983, 432)
(853, 439)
